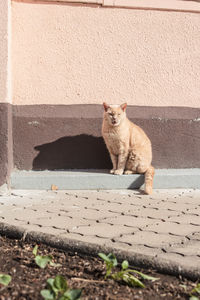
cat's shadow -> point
(81, 152)
(72, 152)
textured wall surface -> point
(72, 54)
(67, 59)
(6, 154)
(4, 51)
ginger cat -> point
(129, 147)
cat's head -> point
(114, 114)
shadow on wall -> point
(75, 152)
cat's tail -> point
(149, 174)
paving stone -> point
(190, 249)
(85, 195)
(140, 201)
(149, 239)
(25, 214)
(154, 213)
(194, 236)
(175, 206)
(195, 211)
(124, 220)
(55, 206)
(9, 210)
(13, 222)
(81, 202)
(43, 207)
(62, 222)
(29, 193)
(129, 221)
(186, 219)
(88, 239)
(174, 193)
(185, 200)
(116, 208)
(114, 197)
(104, 195)
(49, 230)
(172, 228)
(139, 249)
(90, 214)
(103, 230)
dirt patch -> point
(17, 260)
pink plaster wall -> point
(72, 54)
(5, 87)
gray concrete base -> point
(4, 190)
(101, 179)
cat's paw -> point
(128, 172)
(112, 171)
(119, 172)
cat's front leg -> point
(122, 158)
(114, 162)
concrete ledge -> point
(100, 179)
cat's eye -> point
(110, 114)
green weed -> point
(5, 279)
(43, 260)
(125, 274)
(57, 289)
(195, 291)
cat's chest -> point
(114, 140)
(112, 136)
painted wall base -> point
(67, 137)
(50, 137)
(98, 179)
(6, 147)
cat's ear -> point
(123, 106)
(106, 106)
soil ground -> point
(17, 260)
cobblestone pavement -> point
(164, 226)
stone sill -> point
(102, 180)
(167, 5)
